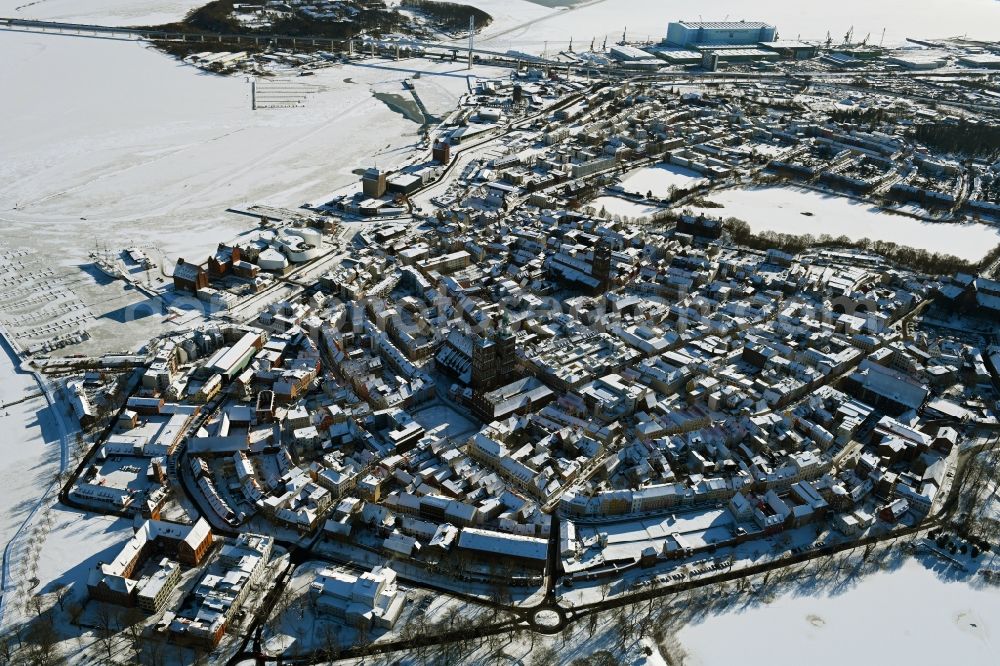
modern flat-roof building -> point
(719, 33)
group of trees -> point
(450, 15)
(35, 643)
(216, 17)
(980, 492)
(964, 137)
(873, 115)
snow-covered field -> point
(624, 207)
(145, 147)
(528, 26)
(906, 616)
(781, 209)
(659, 179)
(77, 542)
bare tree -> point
(153, 653)
(364, 635)
(544, 656)
(43, 643)
(75, 611)
(592, 624)
(36, 604)
(331, 643)
(61, 593)
(106, 629)
(7, 649)
(623, 627)
(135, 622)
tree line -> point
(868, 116)
(970, 139)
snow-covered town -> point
(415, 332)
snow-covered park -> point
(798, 211)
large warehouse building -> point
(719, 33)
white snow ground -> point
(781, 209)
(77, 542)
(907, 616)
(101, 12)
(619, 206)
(144, 146)
(659, 179)
(113, 142)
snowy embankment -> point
(32, 455)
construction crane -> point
(847, 37)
